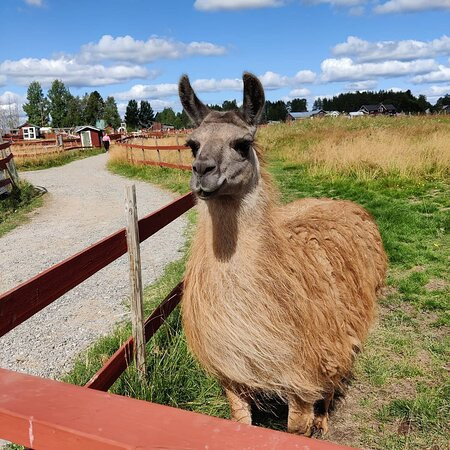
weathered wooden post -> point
(134, 253)
(179, 151)
(157, 150)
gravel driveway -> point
(84, 204)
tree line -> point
(404, 101)
(61, 109)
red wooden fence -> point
(28, 298)
(40, 413)
(157, 148)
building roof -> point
(306, 114)
(28, 124)
(370, 107)
(389, 107)
(85, 127)
(300, 115)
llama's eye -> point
(242, 146)
(194, 146)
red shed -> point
(90, 136)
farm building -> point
(446, 109)
(305, 115)
(378, 109)
(90, 136)
(29, 131)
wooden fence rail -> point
(157, 148)
(8, 172)
(25, 300)
(40, 413)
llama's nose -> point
(204, 166)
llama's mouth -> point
(204, 195)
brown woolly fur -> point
(279, 299)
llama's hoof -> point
(321, 424)
(306, 428)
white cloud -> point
(436, 76)
(213, 85)
(34, 2)
(405, 6)
(345, 69)
(439, 91)
(301, 92)
(305, 76)
(9, 98)
(126, 48)
(362, 85)
(2, 80)
(70, 71)
(216, 5)
(145, 91)
(273, 80)
(399, 50)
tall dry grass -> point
(367, 147)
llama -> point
(277, 299)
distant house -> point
(29, 131)
(446, 109)
(354, 114)
(291, 116)
(90, 136)
(387, 109)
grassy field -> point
(55, 160)
(399, 396)
(15, 207)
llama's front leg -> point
(300, 417)
(321, 419)
(240, 408)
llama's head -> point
(225, 163)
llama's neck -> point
(234, 229)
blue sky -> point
(298, 48)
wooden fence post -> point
(157, 151)
(134, 253)
(179, 151)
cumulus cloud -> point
(126, 48)
(344, 3)
(301, 92)
(217, 5)
(436, 76)
(213, 85)
(8, 98)
(438, 91)
(70, 71)
(406, 6)
(345, 69)
(305, 76)
(406, 50)
(144, 91)
(362, 85)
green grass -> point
(57, 160)
(398, 397)
(171, 179)
(15, 207)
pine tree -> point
(146, 115)
(58, 97)
(166, 116)
(94, 108)
(297, 105)
(132, 115)
(111, 114)
(37, 106)
(74, 112)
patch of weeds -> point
(15, 206)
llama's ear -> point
(253, 104)
(194, 108)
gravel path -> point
(84, 204)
